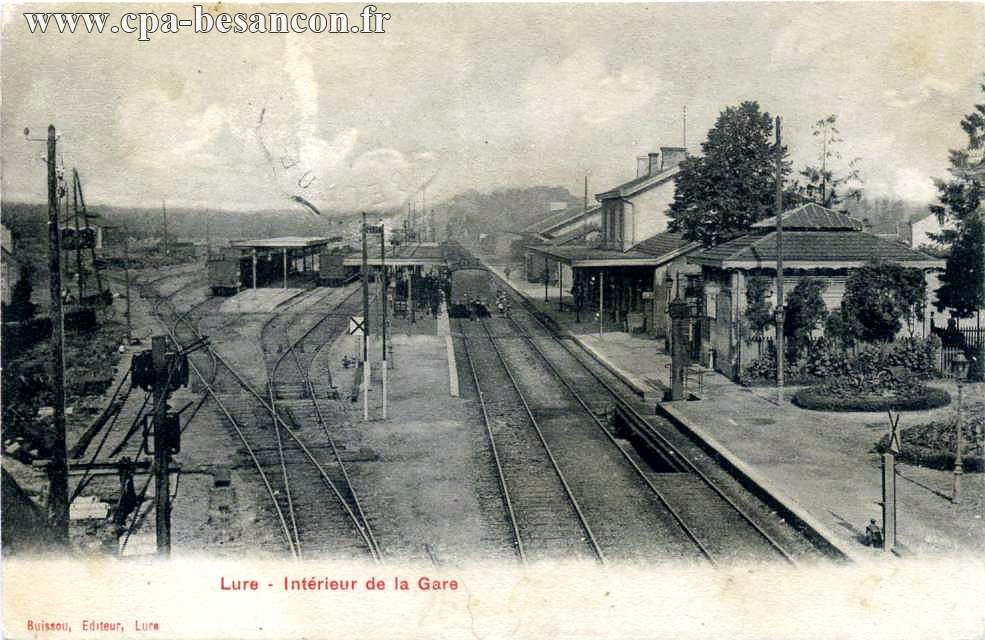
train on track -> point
(225, 273)
(231, 270)
(472, 292)
(332, 271)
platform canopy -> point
(405, 255)
(652, 252)
(287, 242)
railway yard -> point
(534, 452)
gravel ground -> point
(420, 490)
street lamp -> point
(959, 368)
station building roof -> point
(822, 249)
(286, 242)
(652, 252)
(815, 237)
(556, 223)
(812, 217)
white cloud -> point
(929, 88)
(805, 40)
(584, 88)
(914, 185)
(332, 173)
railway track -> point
(721, 528)
(294, 400)
(272, 448)
(545, 518)
(627, 516)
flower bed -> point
(932, 444)
(821, 361)
(910, 398)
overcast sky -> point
(478, 96)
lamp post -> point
(959, 368)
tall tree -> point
(960, 202)
(825, 183)
(719, 194)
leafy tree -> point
(843, 329)
(960, 201)
(805, 312)
(21, 308)
(823, 185)
(880, 294)
(759, 311)
(732, 185)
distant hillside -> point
(28, 221)
(503, 210)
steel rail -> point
(172, 331)
(547, 449)
(363, 528)
(532, 312)
(284, 474)
(306, 378)
(492, 444)
(584, 405)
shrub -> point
(805, 313)
(843, 329)
(932, 444)
(822, 360)
(824, 398)
(759, 311)
(917, 355)
(880, 294)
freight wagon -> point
(225, 274)
(332, 272)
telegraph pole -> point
(383, 324)
(58, 467)
(126, 256)
(164, 210)
(586, 195)
(366, 365)
(684, 133)
(779, 266)
(80, 277)
(601, 301)
(162, 488)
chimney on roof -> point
(642, 166)
(654, 163)
(671, 156)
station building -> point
(571, 226)
(817, 242)
(631, 264)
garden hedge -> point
(817, 399)
(930, 457)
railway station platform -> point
(821, 466)
(258, 300)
